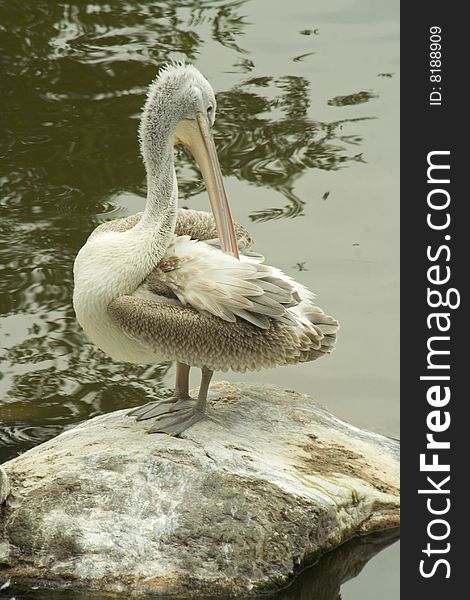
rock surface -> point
(4, 485)
(268, 482)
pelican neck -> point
(162, 187)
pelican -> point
(183, 285)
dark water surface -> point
(307, 133)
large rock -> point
(268, 482)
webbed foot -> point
(175, 415)
(178, 419)
(158, 407)
(172, 416)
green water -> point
(307, 133)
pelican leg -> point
(184, 413)
(160, 407)
(206, 376)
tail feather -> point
(323, 324)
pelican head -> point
(180, 109)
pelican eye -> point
(210, 110)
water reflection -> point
(352, 99)
(323, 581)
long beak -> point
(201, 143)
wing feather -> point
(195, 273)
(200, 339)
(203, 277)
